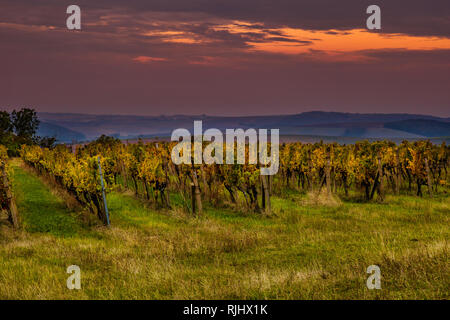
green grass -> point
(302, 251)
(42, 211)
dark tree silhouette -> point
(6, 126)
(25, 123)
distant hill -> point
(317, 123)
(322, 117)
(427, 128)
(61, 134)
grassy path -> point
(40, 209)
(302, 252)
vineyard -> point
(225, 231)
(370, 170)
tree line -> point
(20, 127)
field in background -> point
(311, 126)
(305, 250)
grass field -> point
(302, 251)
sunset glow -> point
(296, 41)
(153, 57)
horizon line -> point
(243, 116)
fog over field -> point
(319, 125)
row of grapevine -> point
(79, 176)
(371, 169)
(7, 202)
(367, 166)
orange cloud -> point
(206, 61)
(334, 44)
(147, 59)
(163, 33)
(175, 36)
(348, 41)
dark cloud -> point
(417, 17)
(46, 66)
(288, 40)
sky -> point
(225, 57)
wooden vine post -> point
(196, 196)
(206, 190)
(427, 168)
(380, 177)
(265, 194)
(328, 172)
(10, 202)
(397, 174)
(310, 174)
(103, 193)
